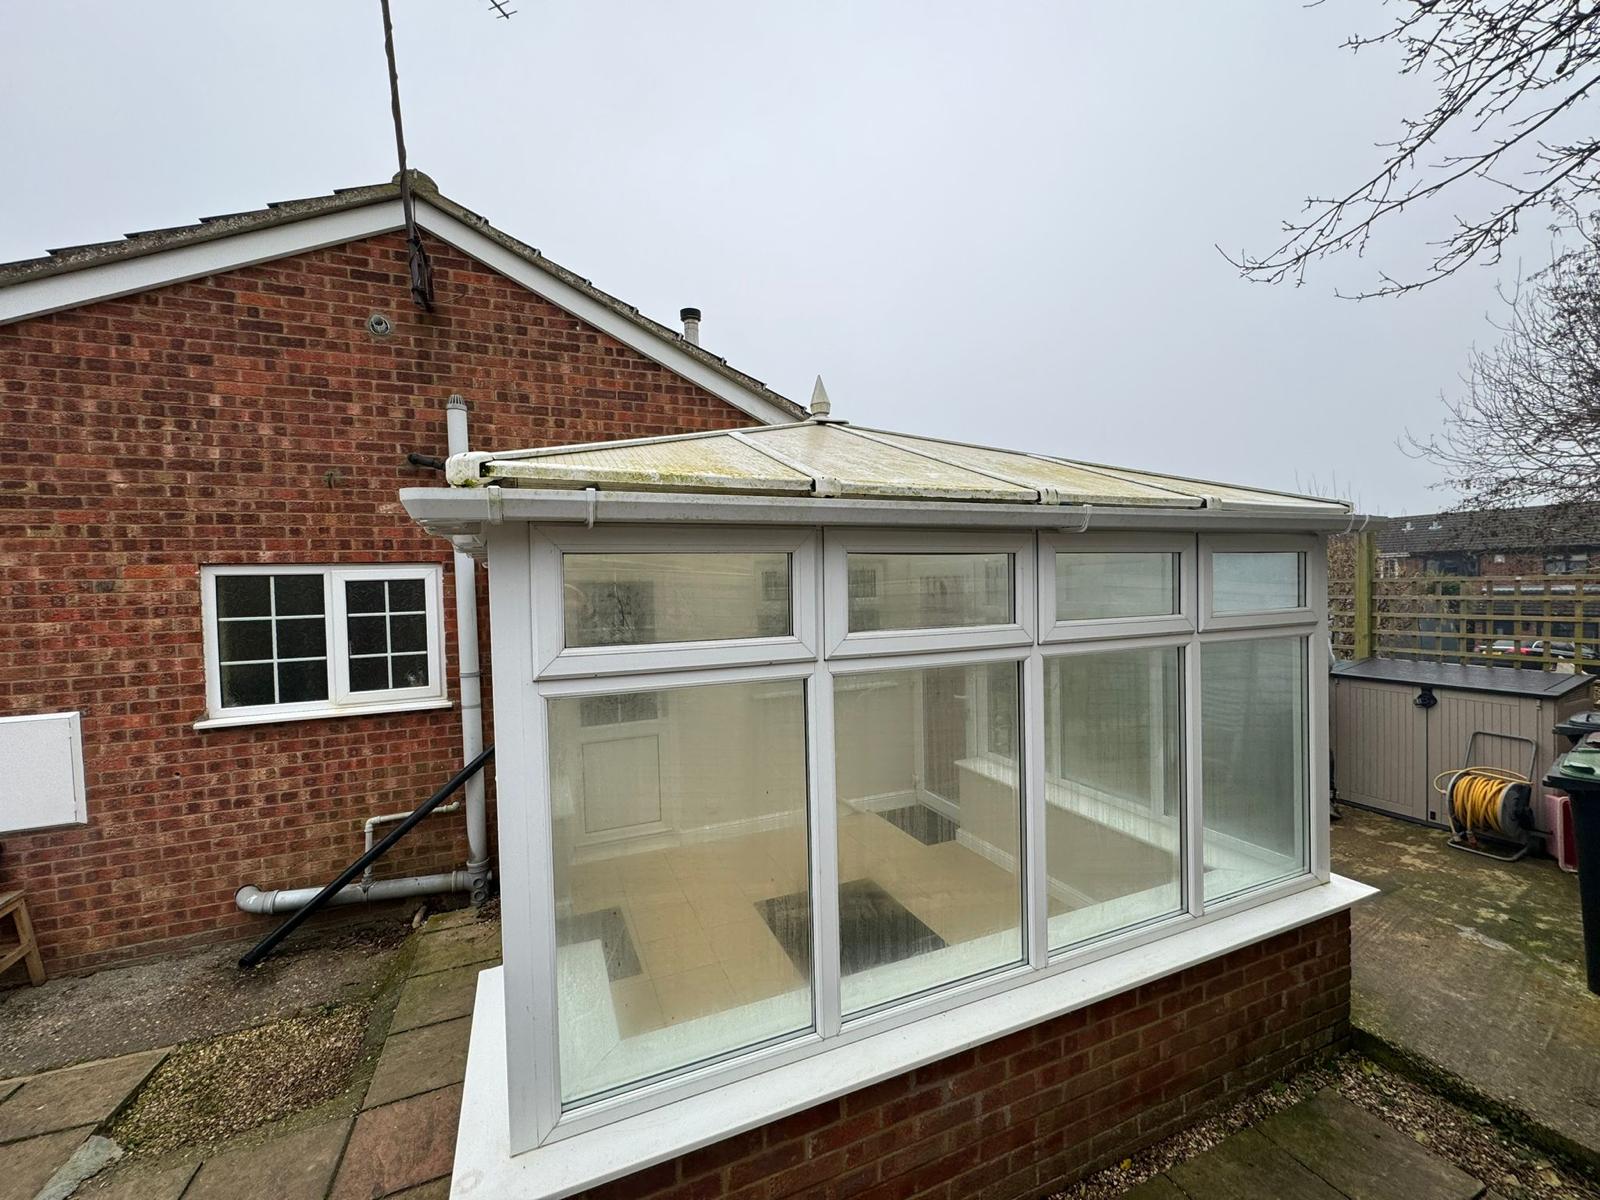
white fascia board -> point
(592, 312)
(229, 252)
(452, 511)
(485, 1167)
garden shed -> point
(845, 777)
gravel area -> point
(216, 1089)
(1470, 1141)
(196, 994)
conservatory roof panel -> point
(823, 458)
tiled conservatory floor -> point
(696, 929)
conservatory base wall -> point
(1028, 1114)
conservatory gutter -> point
(466, 512)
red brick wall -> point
(1028, 1114)
(251, 418)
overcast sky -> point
(995, 223)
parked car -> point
(1539, 648)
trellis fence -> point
(1546, 621)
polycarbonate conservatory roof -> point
(825, 458)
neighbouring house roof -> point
(1541, 527)
(75, 275)
(827, 458)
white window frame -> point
(1052, 544)
(1311, 563)
(527, 680)
(341, 700)
(839, 544)
(556, 660)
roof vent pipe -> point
(691, 325)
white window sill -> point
(485, 1167)
(322, 714)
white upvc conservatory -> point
(823, 752)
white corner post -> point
(471, 690)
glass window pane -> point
(1255, 769)
(299, 682)
(367, 635)
(241, 641)
(410, 670)
(681, 879)
(929, 830)
(405, 595)
(297, 594)
(639, 599)
(1113, 790)
(302, 637)
(408, 634)
(244, 595)
(369, 674)
(1093, 586)
(1257, 581)
(364, 595)
(929, 591)
(246, 685)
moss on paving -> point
(216, 1089)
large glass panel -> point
(929, 591)
(1257, 581)
(1113, 790)
(1255, 769)
(1094, 585)
(639, 599)
(681, 877)
(929, 828)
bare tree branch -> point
(1527, 429)
(1514, 79)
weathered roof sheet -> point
(284, 212)
(832, 458)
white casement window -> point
(292, 642)
(781, 791)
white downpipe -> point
(471, 691)
(252, 899)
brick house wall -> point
(250, 417)
(1028, 1114)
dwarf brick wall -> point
(1027, 1115)
(251, 418)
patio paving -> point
(1324, 1148)
(1472, 971)
(394, 1136)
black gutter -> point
(266, 945)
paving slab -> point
(399, 1146)
(296, 1166)
(84, 1095)
(420, 1060)
(1246, 1166)
(93, 1155)
(1363, 1158)
(429, 999)
(1454, 937)
(453, 919)
(1157, 1187)
(139, 1181)
(439, 1189)
(30, 1164)
(478, 942)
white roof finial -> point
(819, 400)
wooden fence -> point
(1548, 621)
